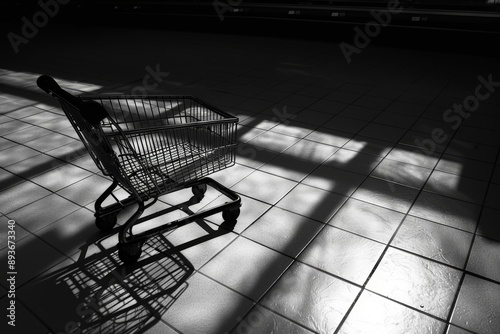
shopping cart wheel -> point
(106, 223)
(230, 215)
(199, 190)
(130, 253)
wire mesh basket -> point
(151, 146)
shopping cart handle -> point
(48, 84)
(92, 111)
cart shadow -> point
(100, 294)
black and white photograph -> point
(250, 167)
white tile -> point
(378, 315)
(423, 285)
(283, 231)
(258, 267)
(264, 187)
(312, 202)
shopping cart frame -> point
(129, 244)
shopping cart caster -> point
(199, 191)
(130, 252)
(230, 215)
(107, 222)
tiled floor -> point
(366, 208)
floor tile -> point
(258, 267)
(13, 126)
(423, 285)
(29, 322)
(395, 120)
(40, 117)
(427, 144)
(472, 150)
(311, 151)
(367, 220)
(488, 224)
(283, 231)
(447, 211)
(377, 315)
(264, 187)
(49, 142)
(261, 320)
(360, 113)
(289, 167)
(85, 191)
(312, 298)
(259, 121)
(478, 135)
(7, 179)
(344, 97)
(327, 106)
(246, 133)
(35, 165)
(402, 173)
(343, 254)
(10, 106)
(354, 88)
(69, 152)
(345, 124)
(371, 146)
(485, 258)
(312, 202)
(56, 124)
(86, 163)
(386, 194)
(353, 161)
(430, 126)
(5, 143)
(273, 141)
(312, 118)
(492, 196)
(496, 175)
(423, 99)
(332, 179)
(71, 232)
(435, 241)
(253, 156)
(28, 265)
(414, 156)
(456, 330)
(61, 177)
(292, 128)
(26, 136)
(454, 186)
(329, 136)
(465, 167)
(212, 299)
(36, 216)
(16, 154)
(406, 108)
(6, 229)
(373, 102)
(382, 132)
(20, 195)
(478, 306)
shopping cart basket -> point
(151, 146)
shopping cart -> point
(151, 146)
